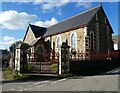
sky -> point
(15, 16)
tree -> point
(14, 45)
(24, 46)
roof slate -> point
(34, 41)
(38, 31)
(80, 19)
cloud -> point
(7, 41)
(8, 38)
(56, 5)
(50, 6)
(46, 23)
(84, 4)
(15, 21)
(59, 12)
(36, 2)
(2, 47)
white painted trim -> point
(85, 31)
(52, 44)
(47, 38)
(115, 46)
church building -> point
(87, 32)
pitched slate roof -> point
(38, 31)
(34, 41)
(80, 19)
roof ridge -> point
(77, 15)
(36, 26)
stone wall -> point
(102, 33)
(29, 36)
(80, 39)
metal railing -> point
(95, 56)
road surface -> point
(78, 83)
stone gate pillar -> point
(17, 59)
(60, 69)
(64, 63)
(20, 59)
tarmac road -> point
(78, 83)
(105, 82)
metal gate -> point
(42, 62)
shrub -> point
(8, 74)
(30, 67)
(12, 75)
(55, 66)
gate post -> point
(59, 66)
(20, 59)
(64, 64)
(17, 58)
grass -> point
(9, 75)
(65, 75)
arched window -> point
(58, 42)
(40, 48)
(73, 41)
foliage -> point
(24, 47)
(8, 74)
(30, 67)
(13, 45)
(16, 76)
(7, 57)
(65, 75)
(12, 75)
(55, 66)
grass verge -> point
(9, 75)
(65, 75)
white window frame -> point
(75, 40)
(57, 42)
